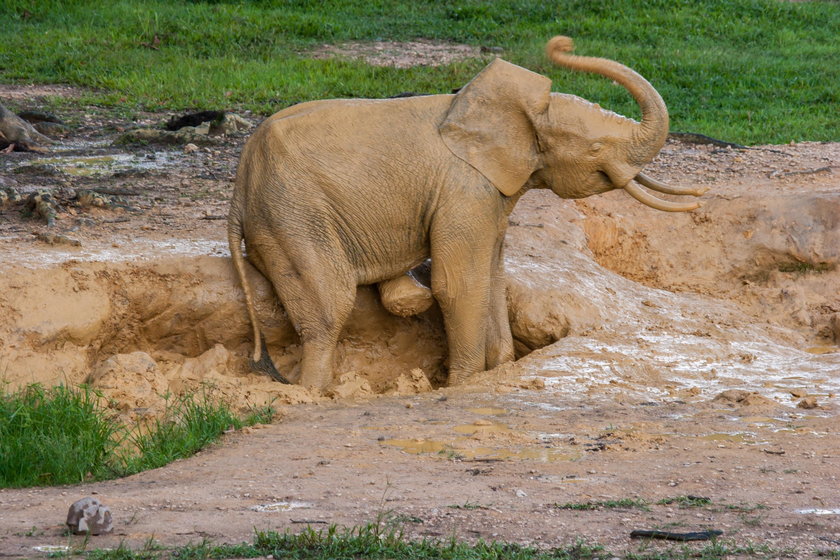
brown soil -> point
(406, 54)
(662, 355)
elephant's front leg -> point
(461, 280)
(499, 347)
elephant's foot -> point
(316, 364)
(458, 378)
(407, 294)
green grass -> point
(686, 501)
(53, 436)
(623, 503)
(64, 436)
(373, 542)
(747, 71)
(368, 542)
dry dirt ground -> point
(661, 356)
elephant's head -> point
(508, 125)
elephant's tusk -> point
(659, 186)
(649, 200)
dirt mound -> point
(140, 330)
(171, 326)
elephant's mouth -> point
(636, 191)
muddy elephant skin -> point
(338, 193)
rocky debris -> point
(198, 129)
(45, 123)
(89, 516)
(57, 239)
(674, 536)
(47, 204)
(744, 398)
(144, 136)
(133, 374)
(9, 196)
(91, 198)
(834, 326)
(351, 384)
(411, 383)
(808, 403)
(17, 134)
(42, 204)
(230, 125)
(193, 119)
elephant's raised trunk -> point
(651, 133)
(653, 130)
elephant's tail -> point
(260, 361)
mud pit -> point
(660, 355)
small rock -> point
(834, 324)
(190, 148)
(808, 403)
(229, 124)
(55, 130)
(88, 515)
(56, 239)
(732, 395)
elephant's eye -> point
(596, 147)
(604, 178)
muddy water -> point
(100, 165)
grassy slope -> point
(746, 70)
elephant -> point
(333, 194)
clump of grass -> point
(800, 267)
(53, 436)
(467, 505)
(370, 541)
(686, 501)
(623, 503)
(64, 435)
(187, 426)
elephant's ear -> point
(490, 123)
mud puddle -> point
(102, 165)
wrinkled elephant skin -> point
(339, 193)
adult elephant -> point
(338, 193)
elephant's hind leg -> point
(318, 295)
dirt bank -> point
(661, 355)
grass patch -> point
(800, 267)
(624, 503)
(768, 75)
(686, 501)
(374, 542)
(467, 505)
(54, 436)
(366, 542)
(64, 436)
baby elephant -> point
(337, 193)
